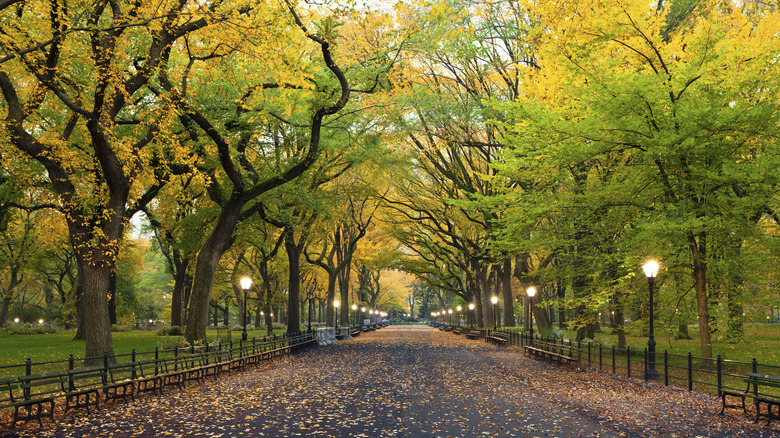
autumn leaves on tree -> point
(487, 146)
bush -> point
(27, 329)
(169, 343)
(170, 331)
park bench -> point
(457, 330)
(30, 395)
(148, 378)
(83, 388)
(473, 334)
(498, 338)
(448, 328)
(120, 381)
(762, 393)
(553, 351)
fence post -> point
(645, 364)
(628, 361)
(690, 371)
(613, 360)
(156, 360)
(719, 367)
(105, 368)
(755, 370)
(666, 367)
(28, 371)
(132, 359)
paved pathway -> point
(409, 381)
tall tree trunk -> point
(112, 298)
(97, 327)
(7, 298)
(294, 284)
(698, 247)
(331, 295)
(208, 260)
(506, 289)
(179, 289)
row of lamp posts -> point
(246, 284)
(650, 268)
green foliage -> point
(170, 331)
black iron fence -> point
(51, 380)
(688, 372)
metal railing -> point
(218, 352)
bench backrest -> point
(764, 380)
(43, 385)
(119, 372)
(8, 386)
(83, 378)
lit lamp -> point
(531, 291)
(494, 300)
(450, 312)
(336, 305)
(471, 309)
(459, 314)
(246, 283)
(354, 309)
(651, 270)
(16, 320)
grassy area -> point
(762, 341)
(15, 349)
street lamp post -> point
(471, 314)
(531, 291)
(336, 305)
(354, 309)
(450, 312)
(651, 270)
(459, 315)
(311, 301)
(363, 315)
(494, 300)
(246, 283)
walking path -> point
(410, 381)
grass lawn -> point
(15, 349)
(762, 341)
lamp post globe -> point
(246, 283)
(494, 300)
(651, 271)
(531, 291)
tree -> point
(92, 122)
(668, 123)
